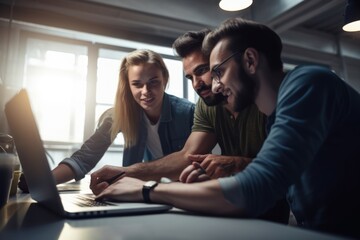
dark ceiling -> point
(166, 19)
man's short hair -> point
(189, 42)
(243, 34)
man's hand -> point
(194, 173)
(214, 166)
(102, 178)
(125, 189)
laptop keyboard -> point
(88, 201)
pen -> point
(113, 179)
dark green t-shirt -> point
(242, 136)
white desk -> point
(23, 219)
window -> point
(55, 76)
(108, 67)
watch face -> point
(150, 184)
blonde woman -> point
(153, 122)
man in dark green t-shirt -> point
(239, 134)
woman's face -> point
(147, 87)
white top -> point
(153, 140)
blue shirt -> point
(312, 152)
(176, 120)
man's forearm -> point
(195, 197)
(241, 163)
(169, 166)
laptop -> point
(39, 177)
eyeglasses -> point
(215, 73)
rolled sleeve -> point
(78, 171)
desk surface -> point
(22, 218)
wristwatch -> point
(147, 187)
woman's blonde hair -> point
(127, 112)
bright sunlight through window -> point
(56, 81)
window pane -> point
(107, 75)
(107, 81)
(192, 95)
(55, 76)
(175, 85)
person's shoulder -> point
(310, 76)
(254, 109)
(178, 100)
(310, 73)
(252, 112)
(106, 116)
(202, 106)
(179, 103)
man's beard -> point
(246, 96)
(212, 100)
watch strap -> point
(147, 187)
